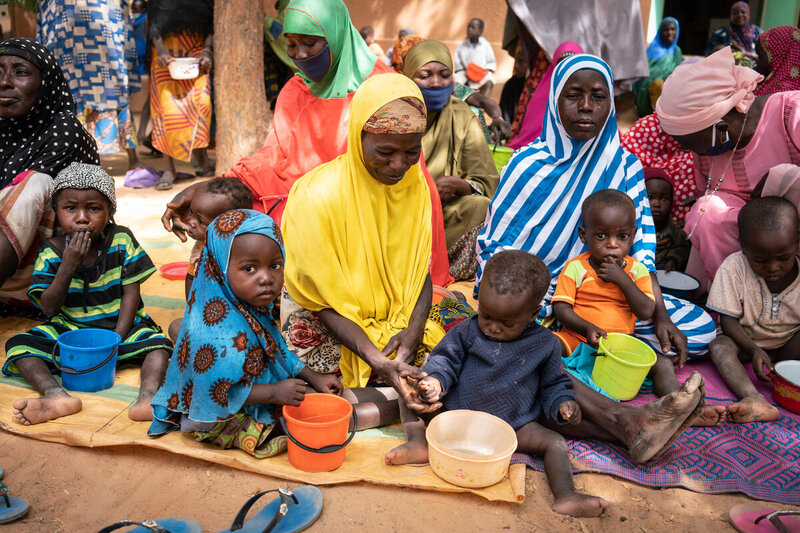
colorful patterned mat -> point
(761, 460)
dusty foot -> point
(166, 181)
(580, 505)
(142, 410)
(710, 415)
(37, 410)
(410, 453)
(752, 409)
(662, 420)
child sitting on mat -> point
(231, 369)
(757, 294)
(672, 245)
(87, 278)
(501, 362)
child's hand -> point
(670, 265)
(326, 383)
(77, 249)
(571, 412)
(430, 389)
(289, 392)
(594, 334)
(611, 271)
(761, 360)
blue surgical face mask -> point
(727, 146)
(436, 97)
(317, 66)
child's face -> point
(771, 254)
(503, 317)
(137, 6)
(82, 210)
(608, 231)
(255, 269)
(659, 192)
(474, 30)
(204, 208)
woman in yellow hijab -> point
(358, 246)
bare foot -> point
(663, 419)
(752, 409)
(409, 453)
(711, 415)
(30, 411)
(142, 411)
(580, 505)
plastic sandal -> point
(162, 525)
(293, 511)
(757, 518)
(11, 508)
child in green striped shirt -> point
(89, 277)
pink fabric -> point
(20, 177)
(783, 180)
(532, 124)
(711, 223)
(695, 96)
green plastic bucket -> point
(622, 364)
(501, 155)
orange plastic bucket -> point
(318, 431)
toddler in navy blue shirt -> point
(501, 362)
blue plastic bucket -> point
(87, 359)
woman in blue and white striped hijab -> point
(538, 202)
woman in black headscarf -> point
(39, 136)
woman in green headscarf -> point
(456, 154)
(309, 126)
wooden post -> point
(240, 103)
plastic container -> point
(318, 431)
(184, 68)
(621, 365)
(87, 359)
(174, 271)
(470, 448)
(786, 385)
(271, 202)
(677, 284)
(440, 293)
(501, 155)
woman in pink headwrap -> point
(710, 108)
(531, 125)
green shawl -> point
(352, 61)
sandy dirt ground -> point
(74, 489)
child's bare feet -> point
(142, 411)
(410, 453)
(752, 409)
(580, 505)
(30, 411)
(711, 415)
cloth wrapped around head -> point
(425, 52)
(83, 176)
(696, 96)
(651, 173)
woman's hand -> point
(288, 392)
(500, 129)
(451, 187)
(404, 379)
(325, 383)
(406, 343)
(77, 249)
(670, 265)
(177, 209)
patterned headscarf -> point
(83, 176)
(404, 115)
(782, 45)
(225, 346)
(49, 137)
(745, 34)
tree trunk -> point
(240, 103)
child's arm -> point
(187, 285)
(641, 304)
(555, 388)
(286, 392)
(74, 253)
(570, 319)
(325, 383)
(734, 330)
(127, 308)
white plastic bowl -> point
(184, 68)
(470, 448)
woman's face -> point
(740, 16)
(388, 157)
(300, 46)
(668, 33)
(700, 142)
(584, 104)
(433, 75)
(20, 81)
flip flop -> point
(11, 508)
(293, 511)
(757, 518)
(162, 525)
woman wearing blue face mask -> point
(456, 154)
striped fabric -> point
(93, 300)
(537, 206)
